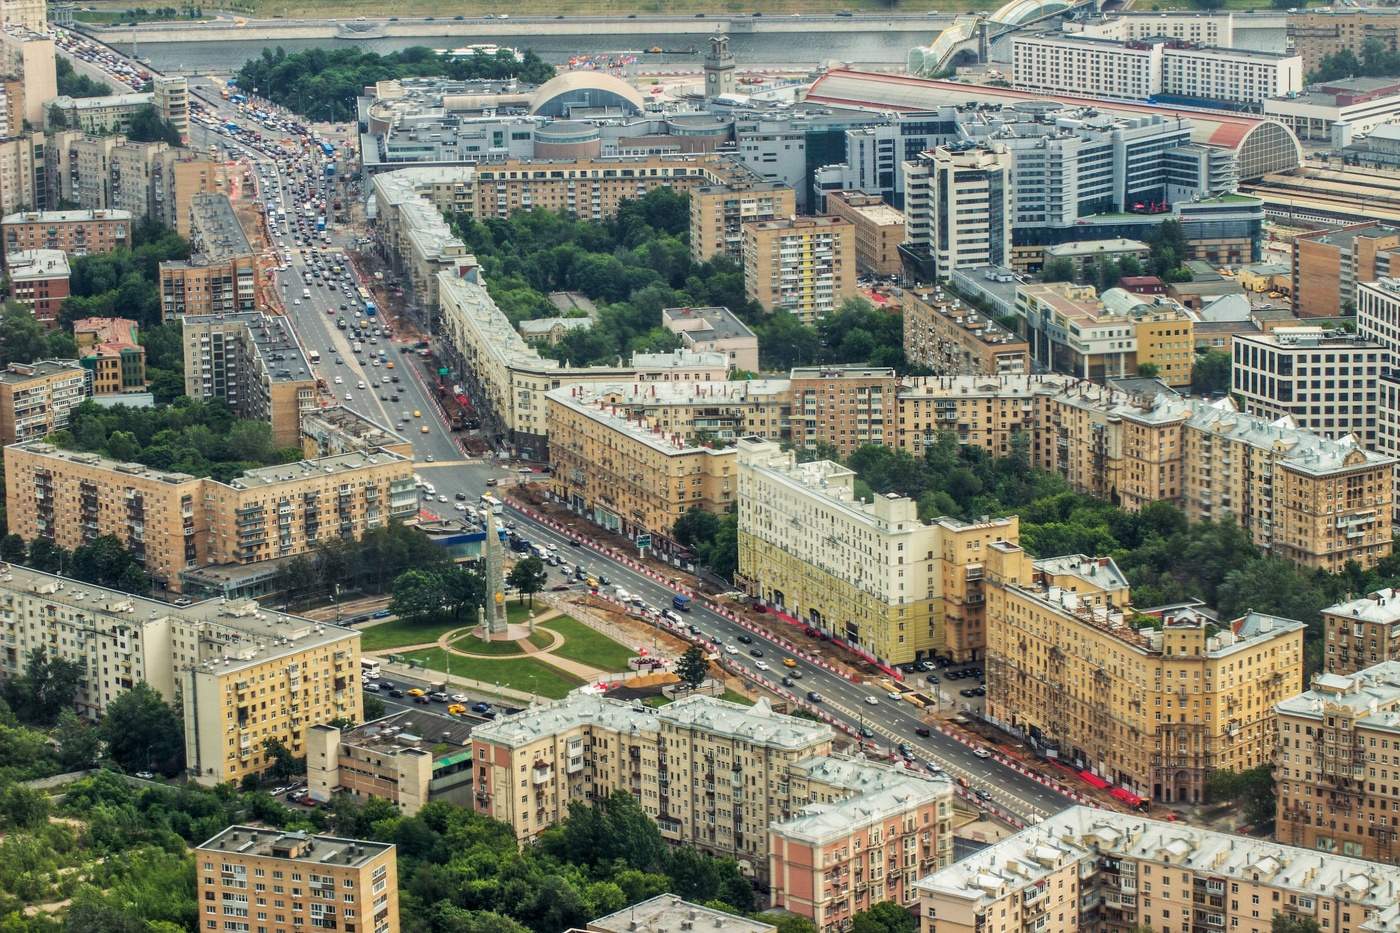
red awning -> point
(1092, 778)
(1127, 796)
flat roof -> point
(25, 264)
(216, 233)
(667, 912)
(19, 373)
(349, 461)
(712, 323)
(65, 217)
(417, 729)
(274, 342)
(276, 843)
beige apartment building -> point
(845, 406)
(714, 775)
(146, 179)
(173, 522)
(1152, 701)
(37, 398)
(27, 14)
(413, 232)
(1329, 264)
(241, 674)
(1318, 34)
(298, 880)
(712, 330)
(509, 378)
(21, 173)
(869, 574)
(803, 265)
(631, 476)
(879, 229)
(954, 339)
(1087, 869)
(28, 52)
(1361, 632)
(669, 912)
(254, 362)
(407, 758)
(1335, 766)
(221, 275)
(109, 348)
(592, 188)
(76, 233)
(719, 212)
(171, 96)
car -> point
(380, 614)
(981, 752)
(339, 381)
(866, 732)
(789, 662)
(923, 731)
(746, 639)
(348, 397)
(603, 580)
(813, 696)
(982, 794)
(417, 413)
(438, 696)
(872, 700)
(761, 665)
(481, 707)
(730, 649)
(422, 701)
(968, 692)
(906, 751)
(559, 587)
(145, 775)
(671, 616)
(756, 652)
(396, 693)
(416, 692)
(372, 688)
(524, 470)
(423, 429)
(932, 678)
(932, 767)
(795, 674)
(460, 497)
(460, 506)
(895, 695)
(456, 709)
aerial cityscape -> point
(623, 468)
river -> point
(812, 48)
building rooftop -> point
(1372, 694)
(973, 386)
(1382, 606)
(978, 325)
(1308, 337)
(1078, 834)
(215, 233)
(65, 217)
(798, 223)
(274, 342)
(20, 373)
(1344, 237)
(536, 327)
(756, 725)
(713, 323)
(108, 333)
(667, 912)
(304, 469)
(303, 847)
(1101, 572)
(348, 427)
(578, 709)
(818, 823)
(1081, 248)
(26, 264)
(440, 735)
(679, 359)
(101, 103)
(599, 402)
(841, 371)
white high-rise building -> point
(958, 209)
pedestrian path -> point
(544, 654)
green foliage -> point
(72, 84)
(1376, 60)
(322, 84)
(24, 340)
(143, 732)
(1148, 370)
(195, 437)
(369, 564)
(1057, 270)
(47, 687)
(420, 595)
(1168, 250)
(78, 742)
(691, 667)
(528, 576)
(713, 538)
(124, 282)
(790, 923)
(884, 917)
(281, 763)
(1252, 790)
(147, 126)
(1286, 923)
(1211, 372)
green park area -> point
(525, 674)
(399, 632)
(472, 644)
(586, 646)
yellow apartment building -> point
(629, 474)
(879, 229)
(953, 339)
(1151, 701)
(869, 574)
(803, 265)
(1336, 767)
(1086, 869)
(251, 877)
(719, 212)
(1362, 632)
(173, 522)
(110, 349)
(37, 398)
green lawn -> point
(471, 643)
(587, 646)
(397, 633)
(734, 696)
(519, 673)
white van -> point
(306, 293)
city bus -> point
(369, 668)
(365, 295)
(492, 503)
(314, 356)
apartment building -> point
(39, 280)
(173, 522)
(879, 229)
(221, 275)
(805, 265)
(1318, 34)
(1151, 700)
(412, 232)
(1333, 773)
(719, 212)
(315, 880)
(11, 104)
(1378, 321)
(25, 14)
(1150, 67)
(108, 348)
(953, 339)
(870, 833)
(957, 209)
(240, 673)
(407, 758)
(593, 188)
(146, 179)
(713, 330)
(28, 51)
(843, 405)
(171, 96)
(1090, 869)
(638, 475)
(1326, 381)
(668, 912)
(1361, 633)
(716, 776)
(1329, 266)
(871, 575)
(253, 362)
(1084, 256)
(37, 398)
(509, 378)
(76, 233)
(22, 173)
(97, 116)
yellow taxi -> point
(789, 662)
(423, 429)
(416, 692)
(417, 413)
(456, 709)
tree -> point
(884, 917)
(78, 741)
(23, 807)
(13, 549)
(790, 923)
(1251, 790)
(528, 576)
(1148, 370)
(143, 732)
(1211, 373)
(47, 687)
(1284, 923)
(417, 596)
(147, 126)
(1058, 270)
(374, 708)
(282, 764)
(692, 668)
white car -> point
(347, 397)
(981, 752)
(730, 649)
(893, 695)
(339, 381)
(461, 698)
(359, 385)
(460, 506)
(873, 701)
(442, 498)
(761, 665)
(296, 301)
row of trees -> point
(1376, 60)
(103, 561)
(201, 438)
(322, 84)
(370, 564)
(72, 84)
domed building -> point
(586, 90)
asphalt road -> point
(892, 721)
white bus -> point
(314, 356)
(369, 668)
(492, 503)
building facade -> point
(1329, 266)
(805, 265)
(350, 884)
(108, 348)
(713, 330)
(718, 214)
(221, 275)
(1361, 632)
(39, 279)
(37, 398)
(76, 233)
(407, 758)
(957, 210)
(954, 339)
(879, 229)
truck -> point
(321, 222)
(681, 602)
(370, 309)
